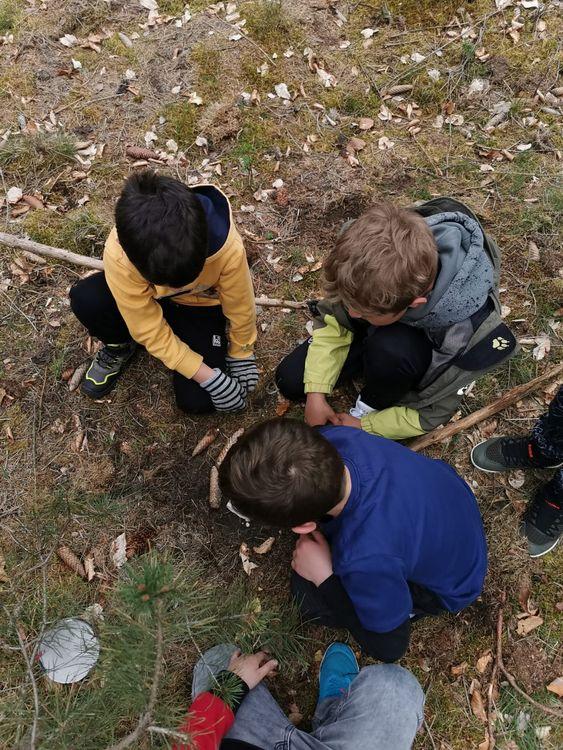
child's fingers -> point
(267, 668)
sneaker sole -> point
(508, 469)
(541, 554)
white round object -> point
(69, 650)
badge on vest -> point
(216, 340)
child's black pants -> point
(203, 329)
(391, 360)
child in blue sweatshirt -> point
(385, 535)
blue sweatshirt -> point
(408, 519)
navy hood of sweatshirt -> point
(217, 214)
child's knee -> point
(193, 400)
(289, 380)
(393, 683)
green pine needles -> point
(160, 615)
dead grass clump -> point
(9, 13)
(268, 23)
(28, 161)
(81, 230)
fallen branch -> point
(20, 243)
(510, 678)
(12, 240)
(510, 397)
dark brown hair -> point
(384, 260)
(282, 473)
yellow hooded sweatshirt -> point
(225, 280)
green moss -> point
(29, 160)
(115, 46)
(81, 230)
(208, 64)
(181, 123)
(257, 137)
(267, 23)
(9, 14)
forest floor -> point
(444, 101)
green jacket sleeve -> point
(326, 356)
(395, 423)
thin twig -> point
(29, 668)
(171, 733)
(146, 717)
(511, 680)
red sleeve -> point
(207, 722)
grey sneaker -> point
(108, 363)
(507, 454)
(542, 524)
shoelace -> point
(514, 453)
(553, 529)
(106, 358)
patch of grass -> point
(81, 230)
(29, 160)
(115, 46)
(520, 721)
(9, 14)
(258, 136)
(15, 82)
(181, 123)
(208, 63)
(267, 23)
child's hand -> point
(226, 393)
(349, 421)
(244, 371)
(312, 559)
(252, 668)
(318, 411)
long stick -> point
(11, 240)
(510, 397)
(20, 243)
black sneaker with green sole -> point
(542, 524)
(507, 454)
(106, 367)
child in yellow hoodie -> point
(176, 281)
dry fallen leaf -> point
(118, 550)
(89, 566)
(528, 623)
(247, 565)
(517, 479)
(266, 546)
(365, 123)
(282, 407)
(483, 661)
(477, 704)
(554, 687)
(459, 669)
(4, 578)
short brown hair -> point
(386, 259)
(282, 473)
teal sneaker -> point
(108, 363)
(339, 668)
